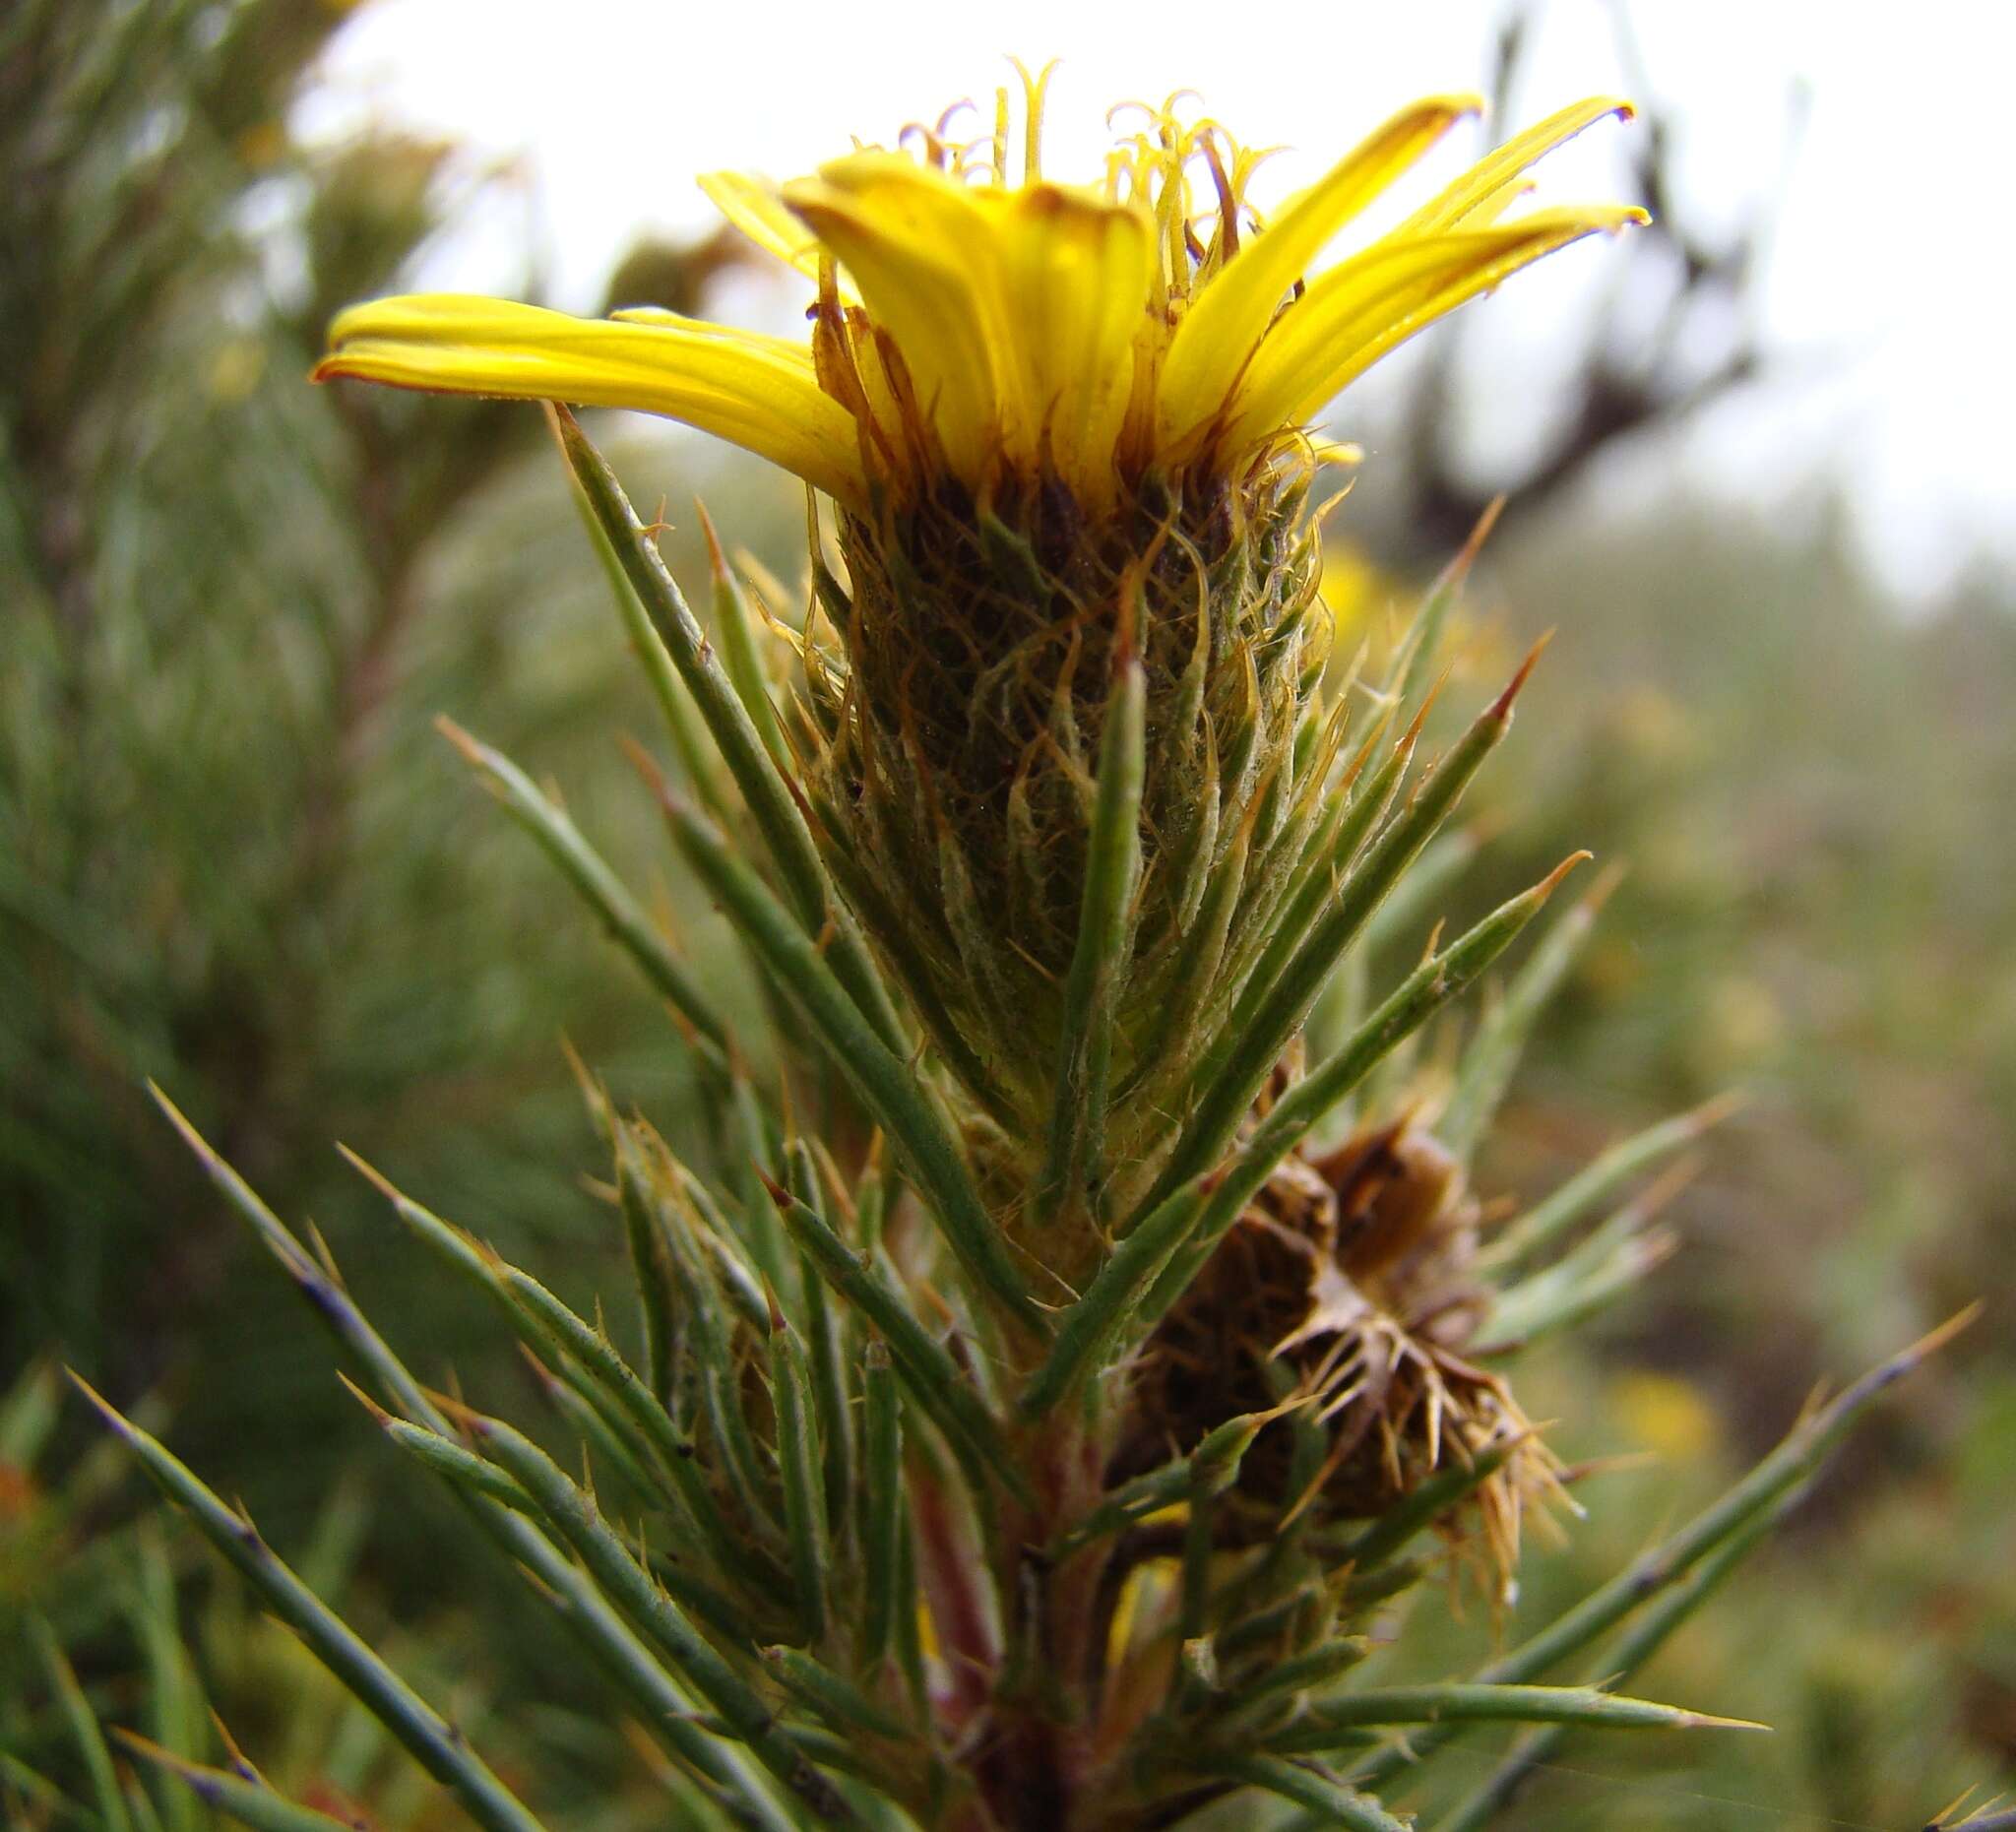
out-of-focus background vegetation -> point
(235, 857)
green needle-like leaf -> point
(663, 1706)
(1801, 1451)
(585, 868)
(1494, 1051)
(1320, 1725)
(881, 1504)
(1163, 1252)
(81, 1722)
(771, 806)
(887, 1084)
(1445, 1489)
(829, 1351)
(676, 706)
(1257, 1044)
(250, 1803)
(1210, 1468)
(1328, 1800)
(175, 1701)
(1424, 642)
(1439, 981)
(1088, 1328)
(936, 1384)
(830, 1695)
(436, 1745)
(575, 1516)
(650, 1265)
(1085, 1048)
(735, 624)
(1579, 1196)
(1626, 1656)
(544, 1325)
(803, 1479)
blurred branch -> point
(1626, 382)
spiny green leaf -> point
(575, 1516)
(888, 1085)
(1628, 1654)
(82, 1720)
(1094, 983)
(1258, 1040)
(1433, 985)
(1801, 1451)
(1318, 1727)
(1580, 1195)
(798, 1468)
(765, 789)
(663, 1707)
(881, 1504)
(1328, 1800)
(585, 868)
(936, 1384)
(249, 1802)
(436, 1745)
(1494, 1052)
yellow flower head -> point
(979, 328)
(1064, 432)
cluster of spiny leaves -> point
(209, 866)
(859, 1528)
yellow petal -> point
(1231, 314)
(1075, 273)
(757, 392)
(756, 207)
(1361, 309)
(921, 248)
(1489, 178)
(753, 205)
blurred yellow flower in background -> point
(1666, 1415)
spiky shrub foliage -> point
(1036, 1442)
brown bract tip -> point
(1465, 555)
(647, 766)
(1713, 1111)
(1546, 887)
(716, 558)
(378, 1180)
(1502, 707)
(1412, 735)
(464, 742)
(379, 1416)
(180, 1121)
(104, 1407)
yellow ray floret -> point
(987, 331)
(1359, 311)
(755, 391)
(1218, 336)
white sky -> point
(1888, 283)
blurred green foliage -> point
(235, 857)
